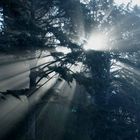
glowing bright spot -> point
(85, 1)
(63, 50)
(1, 18)
(125, 2)
(98, 41)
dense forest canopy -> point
(110, 65)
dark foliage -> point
(111, 77)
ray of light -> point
(14, 82)
(5, 60)
(16, 74)
(12, 112)
(58, 105)
(12, 106)
(129, 68)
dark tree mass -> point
(94, 42)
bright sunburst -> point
(97, 41)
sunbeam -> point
(58, 105)
(14, 72)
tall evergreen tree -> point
(113, 73)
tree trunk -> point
(33, 77)
(99, 63)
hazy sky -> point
(134, 2)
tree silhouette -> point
(113, 79)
